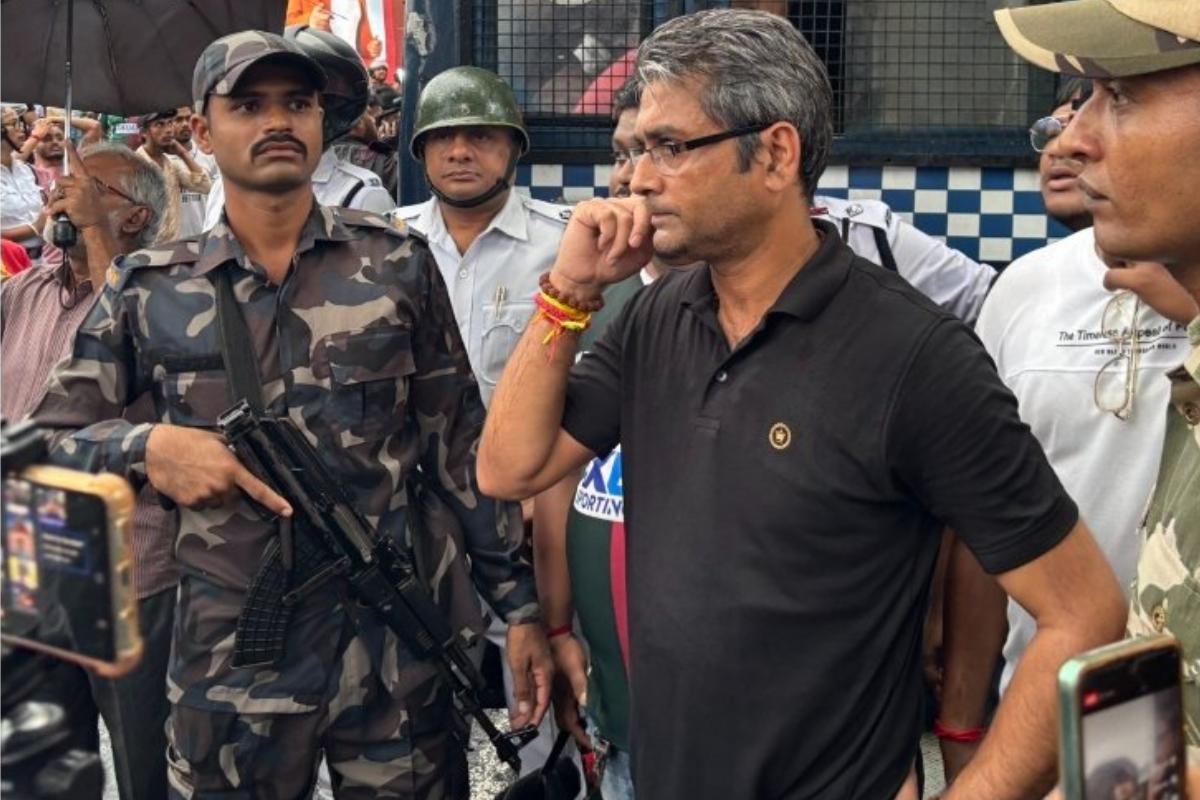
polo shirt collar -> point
(807, 295)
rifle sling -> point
(237, 347)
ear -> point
(200, 132)
(134, 221)
(780, 154)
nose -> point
(621, 177)
(278, 117)
(1079, 141)
(645, 178)
(459, 148)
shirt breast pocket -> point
(503, 327)
(195, 390)
(369, 375)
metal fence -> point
(916, 81)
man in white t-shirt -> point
(1088, 368)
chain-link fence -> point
(918, 80)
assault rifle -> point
(329, 539)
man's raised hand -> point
(606, 241)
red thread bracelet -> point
(560, 630)
(967, 736)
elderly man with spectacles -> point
(115, 200)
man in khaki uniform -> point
(1138, 139)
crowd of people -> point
(756, 485)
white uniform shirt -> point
(492, 284)
(1041, 325)
(941, 273)
(20, 198)
(335, 183)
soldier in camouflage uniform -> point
(1138, 138)
(356, 343)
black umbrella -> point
(134, 56)
(129, 56)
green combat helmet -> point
(468, 96)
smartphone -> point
(66, 586)
(1121, 722)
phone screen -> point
(1133, 730)
(56, 585)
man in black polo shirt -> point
(798, 425)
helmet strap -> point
(499, 186)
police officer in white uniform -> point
(491, 244)
(335, 182)
(941, 273)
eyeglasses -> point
(1046, 129)
(104, 187)
(18, 124)
(666, 156)
(621, 158)
(1116, 382)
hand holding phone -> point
(67, 588)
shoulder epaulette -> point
(553, 211)
(167, 254)
(370, 219)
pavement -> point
(489, 775)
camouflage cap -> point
(1105, 38)
(224, 61)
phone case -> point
(1070, 717)
(118, 499)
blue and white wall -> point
(990, 214)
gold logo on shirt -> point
(780, 436)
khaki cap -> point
(1105, 38)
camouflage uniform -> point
(359, 347)
(1166, 592)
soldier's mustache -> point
(279, 138)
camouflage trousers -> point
(378, 742)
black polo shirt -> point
(783, 504)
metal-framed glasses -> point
(1116, 382)
(1046, 130)
(104, 187)
(667, 156)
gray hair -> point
(754, 68)
(143, 182)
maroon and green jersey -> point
(596, 560)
